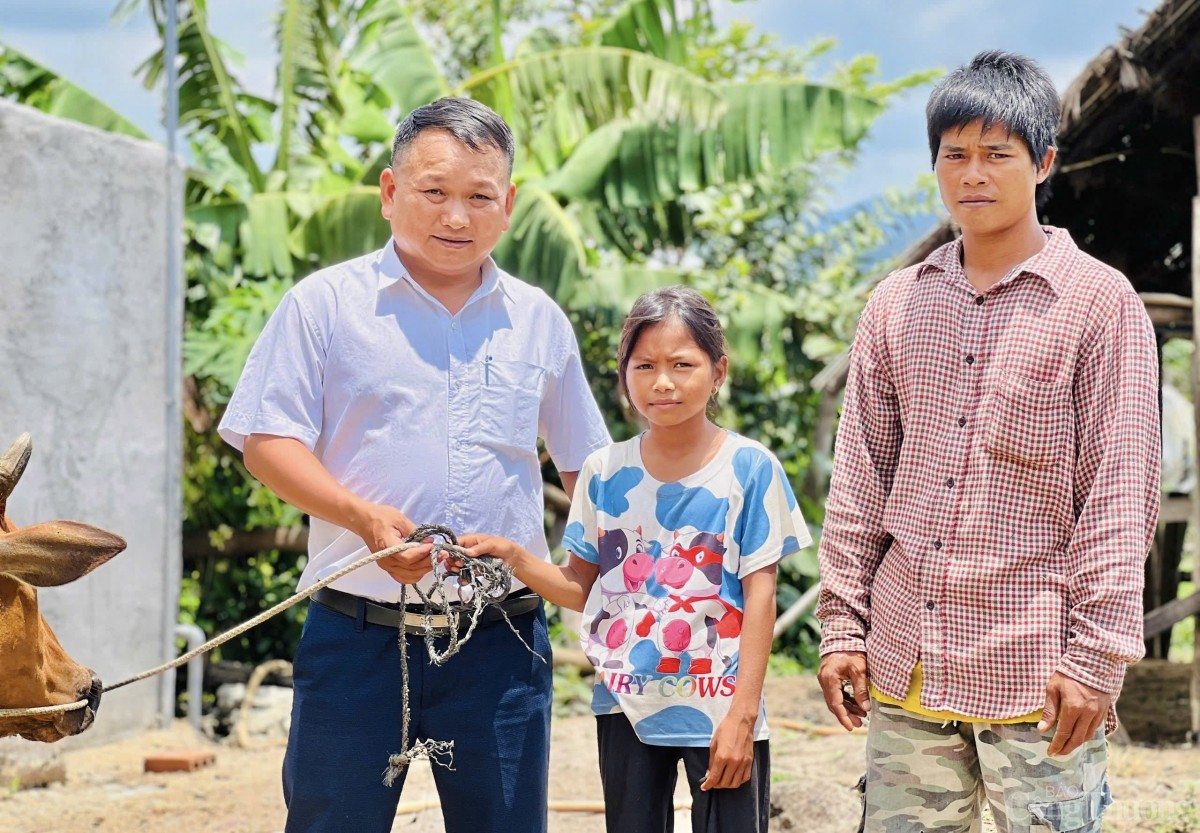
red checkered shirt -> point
(996, 482)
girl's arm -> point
(566, 586)
(731, 754)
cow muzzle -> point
(93, 704)
(54, 728)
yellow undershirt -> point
(912, 703)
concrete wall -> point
(83, 340)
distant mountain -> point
(902, 233)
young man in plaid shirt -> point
(995, 489)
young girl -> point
(674, 537)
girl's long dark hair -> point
(680, 302)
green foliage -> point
(1177, 364)
(785, 665)
(572, 691)
(219, 594)
(1184, 816)
(1183, 634)
(654, 147)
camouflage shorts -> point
(927, 775)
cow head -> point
(34, 669)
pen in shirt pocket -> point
(487, 370)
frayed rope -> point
(486, 580)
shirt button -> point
(454, 325)
(937, 545)
(962, 422)
(978, 300)
(930, 605)
(949, 481)
(970, 360)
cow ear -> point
(721, 538)
(12, 466)
(58, 552)
(599, 533)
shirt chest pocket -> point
(1031, 422)
(510, 397)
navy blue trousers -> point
(492, 699)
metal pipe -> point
(173, 438)
(195, 670)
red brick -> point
(182, 761)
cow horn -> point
(49, 554)
(12, 466)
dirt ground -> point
(1157, 790)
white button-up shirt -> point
(409, 406)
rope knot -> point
(481, 582)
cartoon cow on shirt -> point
(625, 565)
(693, 618)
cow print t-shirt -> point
(663, 620)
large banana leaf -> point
(501, 98)
(25, 80)
(612, 291)
(639, 25)
(767, 126)
(300, 77)
(346, 225)
(638, 230)
(544, 244)
(210, 98)
(261, 221)
(264, 236)
(393, 54)
(548, 242)
(214, 174)
(566, 94)
(757, 316)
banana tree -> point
(621, 131)
(25, 80)
(614, 131)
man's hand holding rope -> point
(385, 526)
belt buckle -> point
(415, 623)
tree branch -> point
(287, 538)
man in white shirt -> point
(404, 387)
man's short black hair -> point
(1000, 88)
(475, 125)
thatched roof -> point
(1127, 169)
(1148, 62)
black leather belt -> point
(413, 618)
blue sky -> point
(77, 39)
